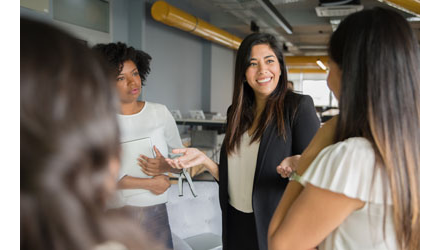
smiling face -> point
(263, 71)
(128, 83)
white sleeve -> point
(172, 135)
(348, 168)
(121, 175)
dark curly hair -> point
(117, 53)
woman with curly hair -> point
(144, 197)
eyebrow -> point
(264, 57)
(120, 74)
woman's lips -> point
(134, 91)
(264, 81)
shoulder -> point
(156, 107)
(298, 105)
(347, 167)
(354, 147)
(295, 99)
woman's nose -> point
(262, 69)
(130, 80)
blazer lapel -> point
(266, 139)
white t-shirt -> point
(241, 171)
(347, 167)
(156, 122)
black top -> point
(301, 124)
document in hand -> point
(131, 151)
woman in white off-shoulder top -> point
(361, 191)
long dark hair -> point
(68, 136)
(379, 100)
(241, 114)
(117, 53)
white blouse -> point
(347, 167)
(241, 171)
(156, 122)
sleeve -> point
(171, 132)
(121, 175)
(347, 168)
(305, 124)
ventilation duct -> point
(337, 8)
(172, 16)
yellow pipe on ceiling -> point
(163, 12)
(306, 71)
(172, 16)
(411, 5)
(301, 61)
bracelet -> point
(295, 177)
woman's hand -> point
(288, 165)
(191, 157)
(154, 166)
(158, 184)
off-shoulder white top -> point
(347, 168)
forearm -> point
(291, 192)
(130, 182)
(212, 167)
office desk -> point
(199, 122)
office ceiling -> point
(310, 32)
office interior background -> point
(192, 73)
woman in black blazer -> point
(266, 124)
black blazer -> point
(301, 125)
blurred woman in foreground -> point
(69, 155)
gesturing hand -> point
(288, 165)
(159, 184)
(153, 166)
(191, 157)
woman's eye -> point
(270, 61)
(252, 64)
(136, 73)
(120, 79)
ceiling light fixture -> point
(273, 12)
(321, 64)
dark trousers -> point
(154, 220)
(242, 231)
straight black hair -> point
(241, 113)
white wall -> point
(187, 72)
